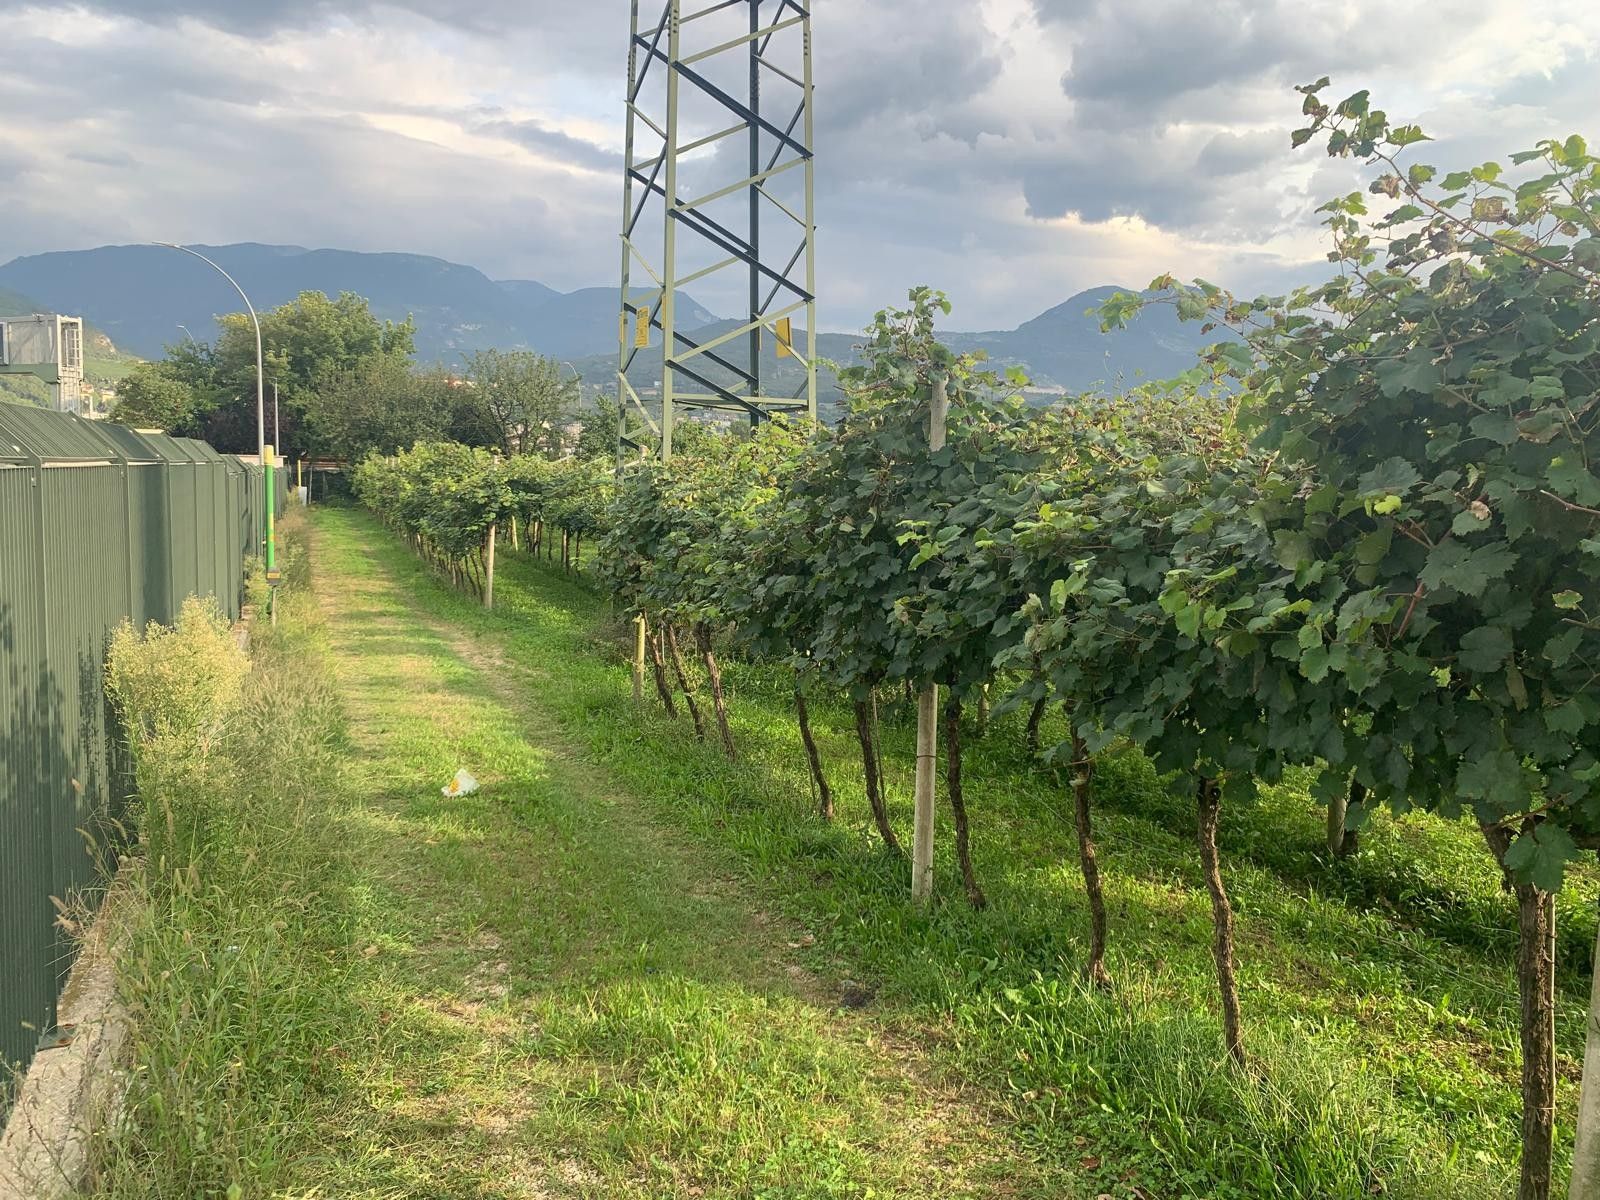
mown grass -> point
(575, 1000)
(345, 984)
(616, 971)
(1380, 1003)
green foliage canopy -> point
(1440, 559)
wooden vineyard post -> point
(1585, 1183)
(488, 564)
(638, 659)
(928, 707)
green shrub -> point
(178, 690)
(229, 958)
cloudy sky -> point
(1010, 151)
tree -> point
(524, 398)
(597, 433)
(154, 396)
(381, 405)
(307, 343)
(310, 339)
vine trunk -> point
(1536, 982)
(1208, 803)
(1089, 863)
(866, 733)
(682, 672)
(702, 637)
(958, 801)
(803, 716)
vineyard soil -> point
(649, 1032)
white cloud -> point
(1011, 151)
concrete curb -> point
(71, 1090)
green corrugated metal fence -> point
(97, 523)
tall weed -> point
(232, 957)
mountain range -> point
(145, 297)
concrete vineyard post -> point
(488, 579)
(1586, 1154)
(927, 760)
(928, 705)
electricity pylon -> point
(719, 190)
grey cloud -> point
(887, 60)
(280, 174)
(489, 16)
(541, 139)
(1564, 88)
(1219, 187)
(133, 74)
(1147, 63)
(1233, 153)
(1147, 53)
(115, 159)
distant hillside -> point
(1064, 346)
(579, 324)
(14, 304)
(1060, 348)
(140, 295)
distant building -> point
(48, 347)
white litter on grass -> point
(462, 785)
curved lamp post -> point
(267, 462)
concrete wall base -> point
(73, 1089)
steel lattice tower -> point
(719, 167)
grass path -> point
(573, 999)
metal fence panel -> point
(183, 516)
(152, 542)
(97, 525)
(29, 732)
(86, 596)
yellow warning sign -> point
(786, 338)
(641, 332)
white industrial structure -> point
(49, 347)
(719, 189)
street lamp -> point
(261, 415)
(577, 378)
